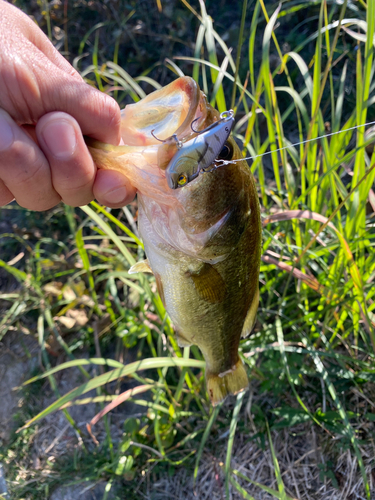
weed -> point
(311, 356)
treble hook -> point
(174, 136)
(224, 117)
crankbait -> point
(198, 154)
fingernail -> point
(117, 196)
(6, 133)
(60, 138)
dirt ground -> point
(301, 453)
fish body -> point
(202, 241)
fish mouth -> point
(164, 119)
(162, 114)
(165, 112)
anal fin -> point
(143, 266)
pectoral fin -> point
(208, 283)
(251, 316)
(142, 266)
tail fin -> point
(231, 382)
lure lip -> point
(208, 143)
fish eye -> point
(182, 179)
(226, 152)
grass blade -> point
(210, 423)
(271, 491)
(240, 490)
(348, 428)
(100, 380)
(232, 433)
(276, 466)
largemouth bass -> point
(202, 240)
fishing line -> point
(228, 162)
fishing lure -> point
(201, 152)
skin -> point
(45, 109)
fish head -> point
(152, 131)
(172, 139)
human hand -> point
(45, 108)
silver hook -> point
(174, 136)
(224, 117)
(154, 136)
(193, 129)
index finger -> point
(32, 86)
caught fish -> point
(199, 220)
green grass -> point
(314, 343)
